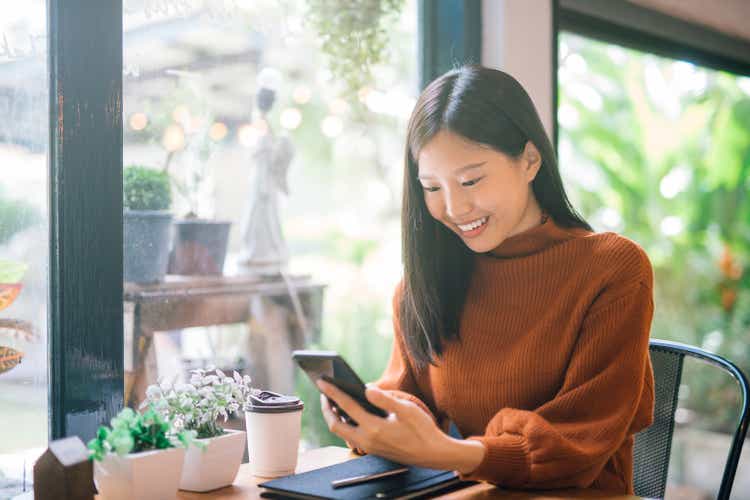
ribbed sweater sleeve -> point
(568, 440)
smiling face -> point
(479, 193)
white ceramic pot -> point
(148, 475)
(214, 466)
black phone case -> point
(347, 380)
(355, 394)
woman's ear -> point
(532, 160)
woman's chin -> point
(480, 245)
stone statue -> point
(264, 250)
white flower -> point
(153, 391)
(209, 395)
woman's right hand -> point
(397, 394)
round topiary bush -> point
(146, 188)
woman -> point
(513, 319)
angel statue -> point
(264, 249)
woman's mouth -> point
(473, 229)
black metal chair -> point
(653, 445)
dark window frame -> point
(85, 312)
(85, 214)
(450, 34)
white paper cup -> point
(273, 423)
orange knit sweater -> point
(552, 372)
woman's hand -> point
(407, 435)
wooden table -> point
(246, 485)
(187, 301)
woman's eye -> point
(430, 189)
(472, 182)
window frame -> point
(450, 34)
(85, 213)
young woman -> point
(514, 320)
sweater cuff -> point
(505, 460)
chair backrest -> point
(653, 445)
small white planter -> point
(214, 466)
(149, 475)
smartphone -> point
(332, 368)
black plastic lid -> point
(273, 402)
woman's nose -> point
(457, 205)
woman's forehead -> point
(448, 150)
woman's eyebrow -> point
(469, 167)
(458, 171)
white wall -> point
(517, 38)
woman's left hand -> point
(407, 435)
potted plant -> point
(352, 34)
(15, 216)
(11, 274)
(199, 243)
(196, 407)
(138, 456)
(147, 223)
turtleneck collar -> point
(536, 239)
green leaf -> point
(730, 142)
(146, 188)
(15, 216)
(96, 449)
(102, 433)
(122, 442)
(11, 271)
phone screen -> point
(332, 368)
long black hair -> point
(488, 107)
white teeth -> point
(472, 225)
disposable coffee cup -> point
(273, 422)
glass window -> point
(24, 241)
(657, 149)
(285, 191)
